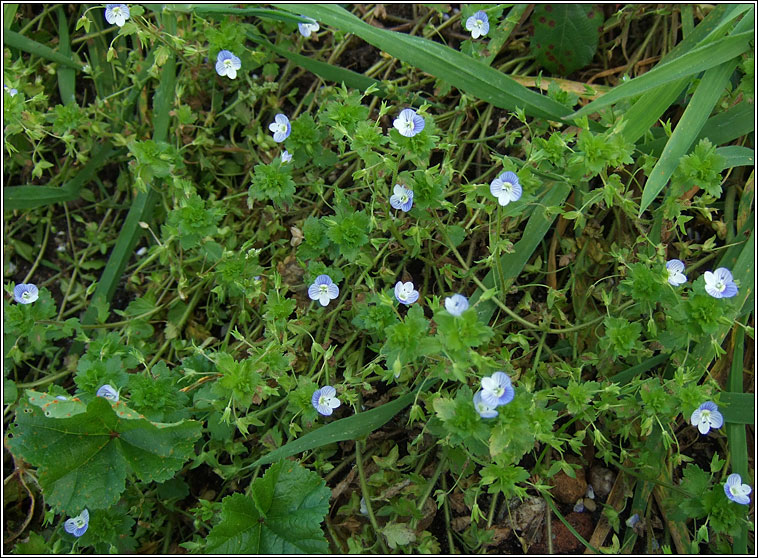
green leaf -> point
(283, 516)
(565, 36)
(350, 428)
(694, 62)
(83, 460)
(470, 76)
(398, 534)
(700, 106)
(16, 40)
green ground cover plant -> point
(378, 278)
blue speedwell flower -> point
(77, 525)
(456, 304)
(280, 127)
(286, 156)
(307, 28)
(497, 389)
(506, 188)
(484, 409)
(227, 64)
(116, 13)
(323, 289)
(675, 270)
(324, 400)
(736, 491)
(25, 293)
(402, 198)
(405, 293)
(12, 91)
(707, 416)
(478, 24)
(108, 393)
(409, 123)
(719, 284)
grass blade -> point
(735, 430)
(15, 40)
(231, 9)
(29, 197)
(349, 428)
(737, 156)
(536, 228)
(66, 76)
(697, 60)
(700, 106)
(144, 202)
(470, 76)
(325, 71)
(721, 128)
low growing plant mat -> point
(378, 278)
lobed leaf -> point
(83, 460)
(283, 516)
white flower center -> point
(79, 522)
(283, 128)
(26, 295)
(705, 416)
(719, 286)
(499, 391)
(228, 63)
(478, 24)
(116, 11)
(323, 289)
(408, 125)
(323, 401)
(403, 198)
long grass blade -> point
(700, 106)
(349, 428)
(29, 197)
(144, 202)
(66, 76)
(15, 40)
(735, 430)
(470, 76)
(536, 228)
(697, 60)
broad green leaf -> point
(83, 460)
(350, 428)
(283, 516)
(697, 60)
(736, 156)
(565, 36)
(66, 76)
(470, 76)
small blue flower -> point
(675, 270)
(77, 525)
(633, 520)
(324, 400)
(286, 156)
(307, 28)
(456, 304)
(12, 91)
(478, 24)
(402, 198)
(405, 293)
(719, 284)
(108, 393)
(409, 123)
(484, 409)
(227, 64)
(736, 491)
(116, 13)
(506, 188)
(280, 127)
(707, 416)
(579, 506)
(61, 397)
(497, 389)
(363, 510)
(25, 293)
(323, 289)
